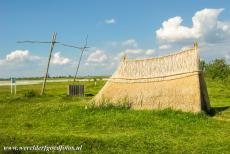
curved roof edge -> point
(163, 56)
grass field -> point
(58, 119)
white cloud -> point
(172, 30)
(134, 51)
(130, 43)
(150, 52)
(110, 21)
(119, 56)
(224, 26)
(205, 26)
(165, 46)
(97, 56)
(186, 47)
(57, 59)
(138, 51)
(2, 62)
(17, 54)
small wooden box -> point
(75, 90)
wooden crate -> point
(75, 90)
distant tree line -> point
(57, 77)
(217, 69)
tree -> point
(218, 69)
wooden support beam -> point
(79, 62)
(47, 68)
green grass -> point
(58, 119)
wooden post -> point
(11, 87)
(50, 54)
(196, 44)
(198, 57)
(15, 88)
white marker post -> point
(13, 84)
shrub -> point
(218, 69)
(30, 93)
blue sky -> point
(114, 28)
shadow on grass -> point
(89, 95)
(215, 110)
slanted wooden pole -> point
(47, 68)
(82, 50)
(79, 62)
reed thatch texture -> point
(172, 81)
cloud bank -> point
(97, 56)
(212, 34)
(205, 26)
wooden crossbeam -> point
(52, 43)
(82, 51)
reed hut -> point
(174, 81)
